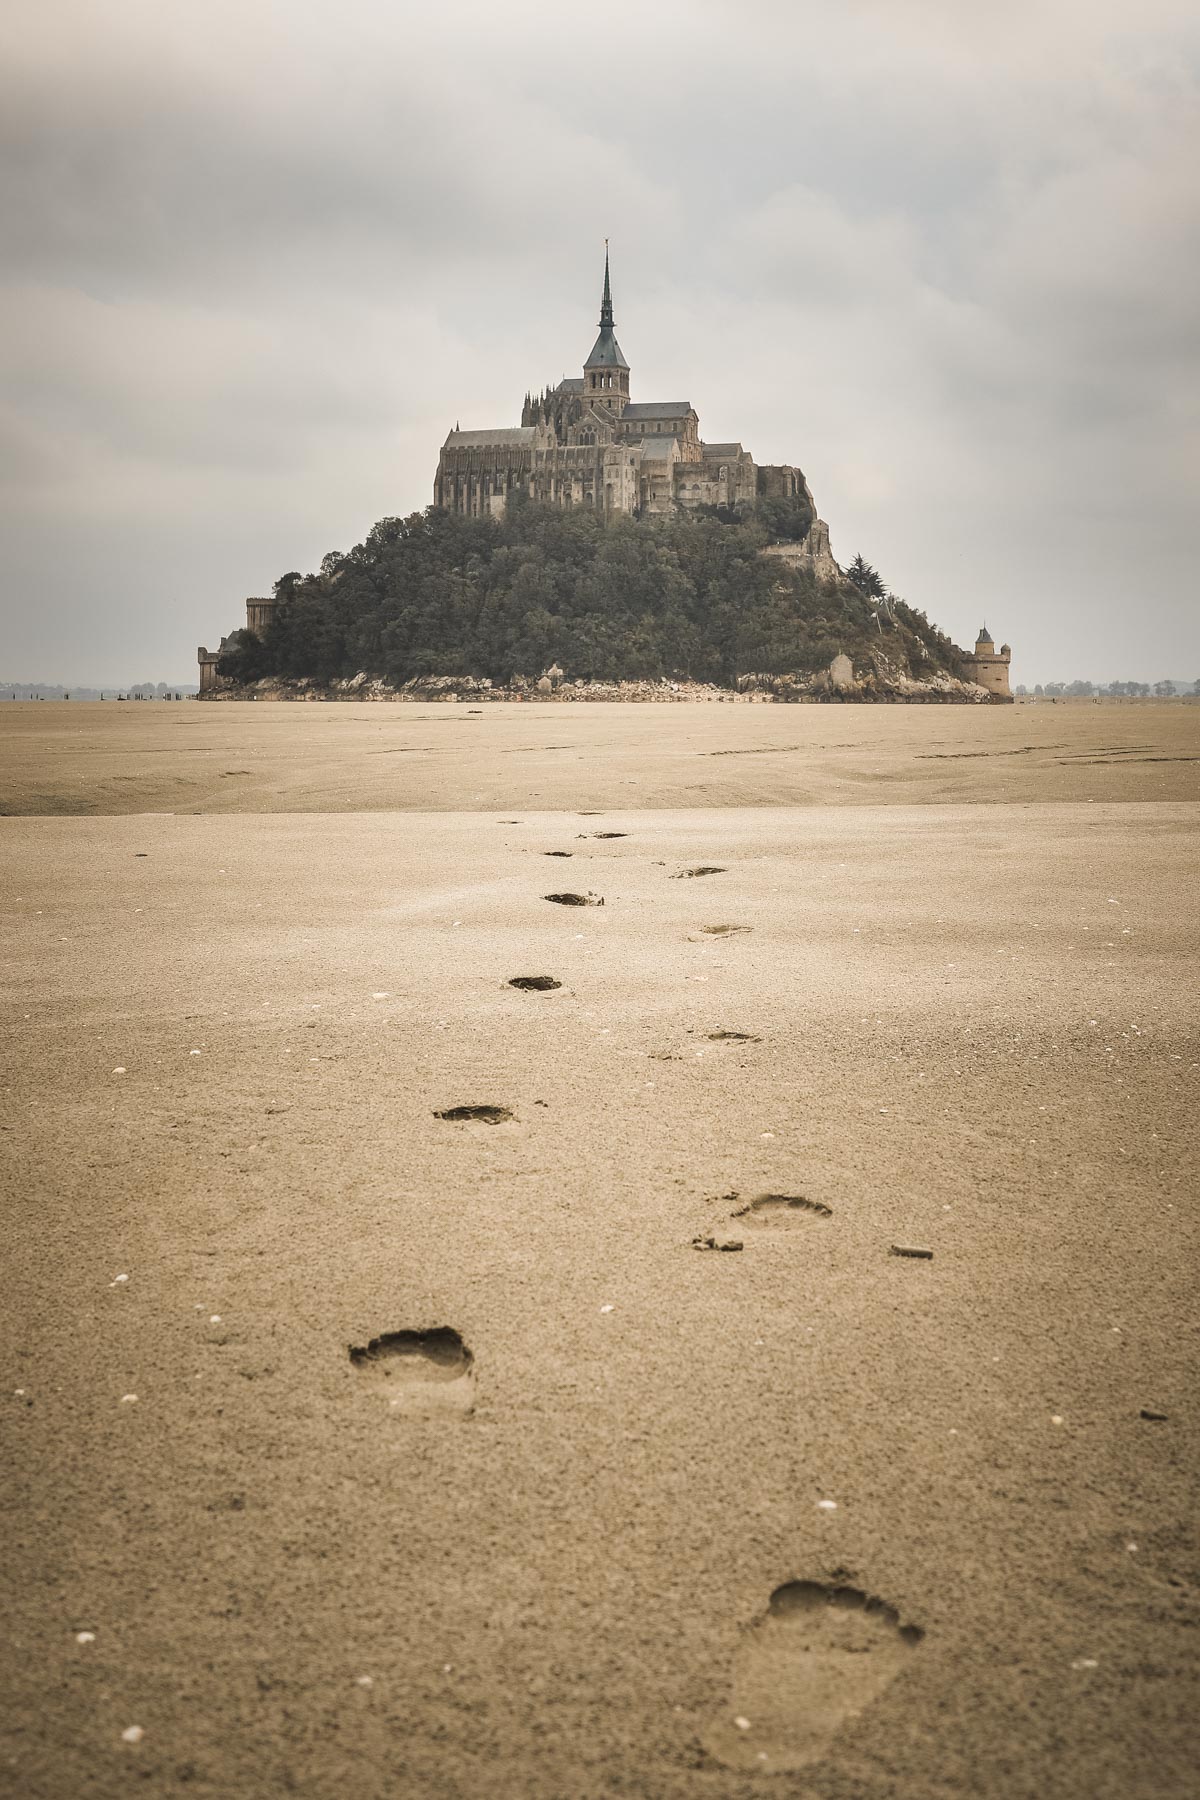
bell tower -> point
(606, 373)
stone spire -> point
(606, 317)
(606, 353)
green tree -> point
(244, 658)
(866, 579)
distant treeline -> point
(138, 690)
(686, 596)
(1081, 690)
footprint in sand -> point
(702, 869)
(558, 853)
(484, 1115)
(815, 1660)
(534, 984)
(423, 1372)
(733, 1037)
(604, 834)
(724, 930)
(781, 1209)
(574, 899)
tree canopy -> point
(685, 596)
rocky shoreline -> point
(887, 688)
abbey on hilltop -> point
(819, 631)
(586, 443)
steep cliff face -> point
(812, 553)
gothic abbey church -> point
(586, 443)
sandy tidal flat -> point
(357, 1446)
(237, 757)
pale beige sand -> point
(352, 757)
(975, 1033)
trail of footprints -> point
(821, 1652)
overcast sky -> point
(259, 257)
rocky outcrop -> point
(812, 552)
(478, 690)
(882, 683)
(840, 682)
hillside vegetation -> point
(684, 597)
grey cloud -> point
(257, 263)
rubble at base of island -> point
(880, 685)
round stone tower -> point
(989, 666)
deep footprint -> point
(558, 853)
(536, 984)
(486, 1115)
(733, 1037)
(817, 1658)
(574, 899)
(781, 1209)
(424, 1371)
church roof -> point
(658, 409)
(502, 434)
(727, 452)
(606, 352)
(658, 449)
(570, 384)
